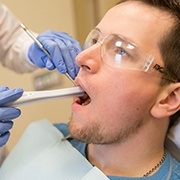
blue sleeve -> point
(80, 146)
(63, 127)
(176, 170)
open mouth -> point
(84, 100)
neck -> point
(132, 158)
(127, 163)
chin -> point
(77, 131)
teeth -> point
(84, 97)
(86, 102)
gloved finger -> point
(56, 55)
(66, 38)
(48, 63)
(38, 57)
(10, 95)
(58, 60)
(4, 138)
(50, 34)
(35, 54)
(3, 88)
(5, 126)
(74, 54)
(73, 48)
(67, 59)
(61, 56)
(68, 49)
(9, 113)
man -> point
(130, 72)
(127, 115)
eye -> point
(92, 38)
(94, 41)
(122, 52)
(90, 42)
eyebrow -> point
(126, 39)
(97, 29)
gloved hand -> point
(62, 49)
(7, 114)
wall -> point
(89, 13)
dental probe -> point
(36, 96)
(41, 46)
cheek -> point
(125, 97)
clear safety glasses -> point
(117, 52)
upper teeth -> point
(85, 99)
(85, 96)
(86, 102)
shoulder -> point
(80, 146)
(63, 127)
(176, 169)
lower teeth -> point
(86, 102)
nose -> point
(90, 59)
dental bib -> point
(41, 154)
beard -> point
(96, 134)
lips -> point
(85, 99)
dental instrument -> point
(41, 47)
(36, 96)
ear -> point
(168, 102)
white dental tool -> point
(34, 96)
(41, 46)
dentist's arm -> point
(14, 43)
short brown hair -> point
(170, 43)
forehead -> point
(136, 21)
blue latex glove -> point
(7, 114)
(62, 49)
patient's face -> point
(120, 99)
